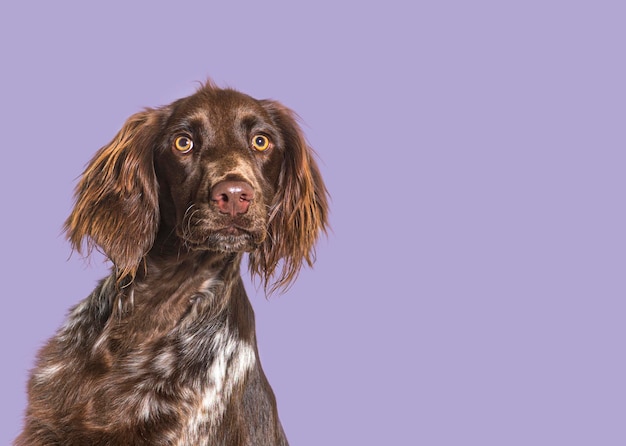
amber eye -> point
(260, 143)
(183, 144)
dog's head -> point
(219, 171)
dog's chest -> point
(231, 359)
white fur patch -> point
(164, 363)
(232, 361)
(75, 319)
(48, 372)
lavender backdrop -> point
(472, 290)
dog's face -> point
(216, 171)
(218, 163)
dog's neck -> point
(171, 260)
(185, 264)
(172, 272)
(195, 299)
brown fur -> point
(163, 352)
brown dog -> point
(163, 352)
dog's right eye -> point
(183, 144)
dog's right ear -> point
(117, 205)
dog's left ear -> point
(299, 212)
(117, 197)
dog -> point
(164, 351)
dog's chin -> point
(228, 240)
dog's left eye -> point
(260, 142)
(183, 144)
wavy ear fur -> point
(117, 197)
(299, 212)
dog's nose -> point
(232, 197)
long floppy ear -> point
(299, 212)
(117, 198)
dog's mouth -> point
(204, 229)
(231, 230)
(230, 238)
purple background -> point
(472, 291)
